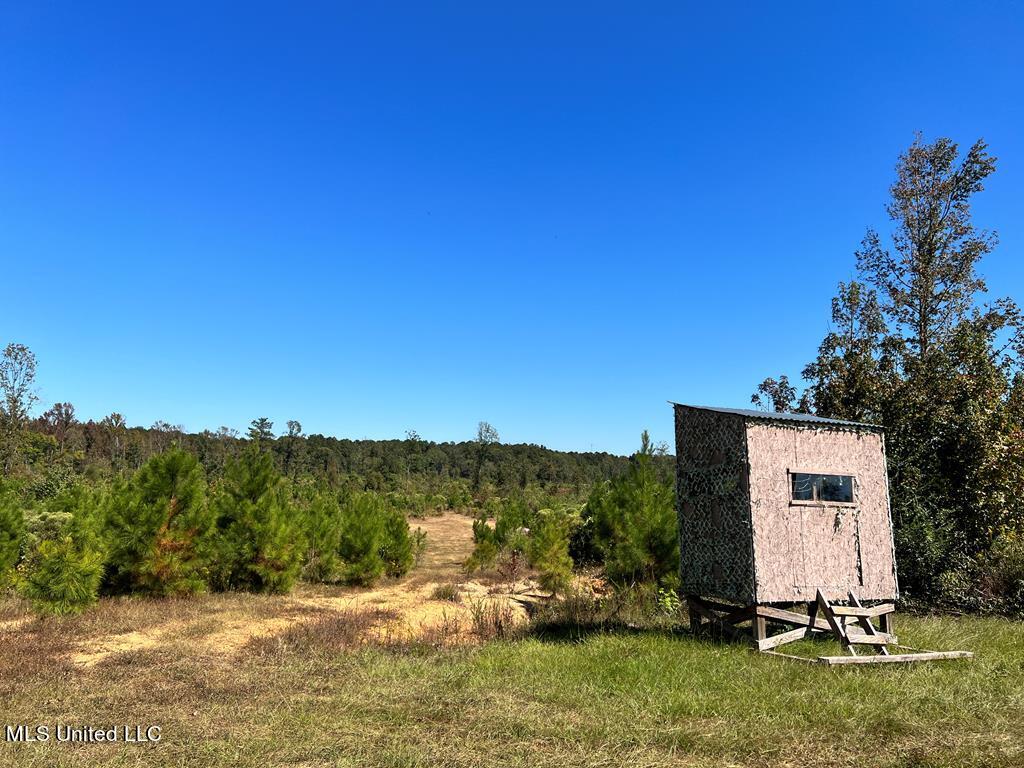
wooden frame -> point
(855, 484)
(849, 624)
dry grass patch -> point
(329, 633)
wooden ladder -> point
(837, 617)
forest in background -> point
(92, 508)
(54, 448)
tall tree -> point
(486, 436)
(261, 430)
(293, 445)
(59, 419)
(923, 356)
(928, 279)
(116, 428)
(776, 395)
(17, 379)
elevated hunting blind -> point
(782, 510)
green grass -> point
(609, 699)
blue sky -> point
(375, 217)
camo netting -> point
(713, 501)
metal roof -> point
(799, 418)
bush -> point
(159, 526)
(419, 544)
(484, 556)
(12, 527)
(258, 545)
(374, 540)
(458, 495)
(1003, 576)
(922, 537)
(446, 592)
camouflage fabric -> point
(713, 502)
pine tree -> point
(396, 550)
(65, 556)
(159, 526)
(322, 527)
(549, 550)
(635, 524)
(259, 541)
(64, 577)
(362, 536)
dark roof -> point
(799, 418)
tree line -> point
(55, 447)
(98, 507)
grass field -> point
(309, 692)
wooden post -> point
(885, 623)
(812, 614)
(760, 628)
(695, 617)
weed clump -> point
(446, 592)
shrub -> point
(12, 527)
(419, 544)
(159, 526)
(258, 545)
(374, 539)
(494, 620)
(484, 556)
(458, 495)
(668, 602)
(1003, 576)
(510, 531)
(921, 534)
(446, 592)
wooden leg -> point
(812, 613)
(885, 623)
(760, 628)
(695, 616)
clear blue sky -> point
(375, 217)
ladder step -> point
(879, 639)
(863, 613)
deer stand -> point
(851, 625)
